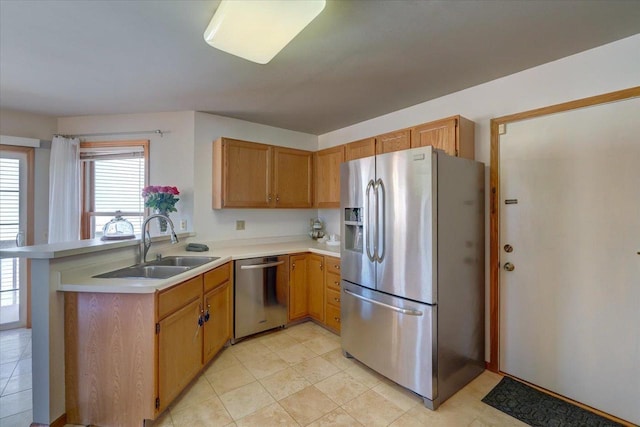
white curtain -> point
(64, 190)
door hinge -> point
(157, 328)
(157, 403)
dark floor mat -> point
(540, 409)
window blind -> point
(115, 182)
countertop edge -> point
(86, 283)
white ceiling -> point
(358, 60)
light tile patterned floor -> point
(299, 377)
(15, 378)
(291, 377)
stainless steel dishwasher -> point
(261, 290)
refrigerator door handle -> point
(367, 233)
(407, 311)
(380, 223)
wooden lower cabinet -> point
(315, 285)
(298, 299)
(314, 289)
(127, 356)
(332, 293)
(217, 329)
(110, 358)
(179, 351)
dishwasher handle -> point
(259, 266)
(392, 307)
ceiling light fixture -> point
(258, 29)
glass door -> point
(14, 163)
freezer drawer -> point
(393, 336)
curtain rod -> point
(156, 131)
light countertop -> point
(81, 280)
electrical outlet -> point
(240, 224)
(183, 224)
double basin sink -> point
(159, 269)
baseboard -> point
(59, 422)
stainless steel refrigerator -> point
(412, 305)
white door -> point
(13, 229)
(570, 209)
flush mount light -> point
(258, 29)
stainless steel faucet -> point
(144, 248)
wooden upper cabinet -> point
(241, 174)
(393, 141)
(454, 135)
(327, 177)
(292, 178)
(359, 149)
(251, 175)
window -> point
(114, 174)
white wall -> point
(171, 155)
(219, 225)
(183, 157)
(601, 70)
(27, 125)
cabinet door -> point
(393, 141)
(179, 351)
(359, 149)
(246, 174)
(315, 285)
(327, 173)
(217, 329)
(292, 178)
(298, 306)
(332, 293)
(440, 134)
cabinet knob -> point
(336, 283)
(337, 267)
(321, 266)
(337, 319)
(269, 197)
(293, 267)
(277, 198)
(336, 299)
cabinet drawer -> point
(332, 318)
(333, 265)
(178, 296)
(333, 281)
(217, 277)
(333, 297)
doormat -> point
(539, 409)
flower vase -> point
(162, 221)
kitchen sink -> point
(184, 261)
(160, 269)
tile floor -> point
(15, 378)
(292, 377)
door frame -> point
(494, 214)
(30, 154)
